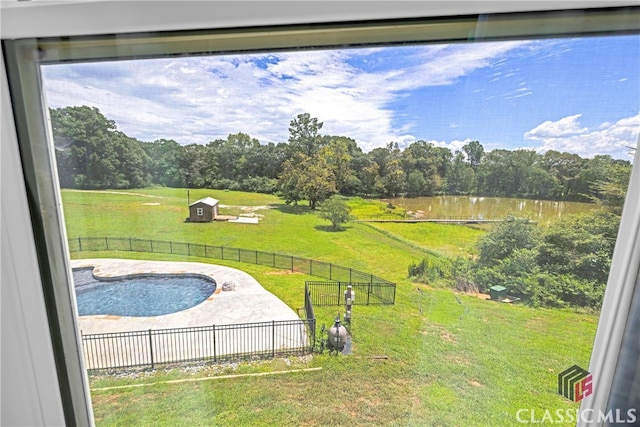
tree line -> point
(93, 154)
(565, 264)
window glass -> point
(415, 233)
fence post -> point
(130, 247)
(222, 252)
(205, 251)
(188, 249)
(310, 267)
(273, 339)
(106, 242)
(151, 245)
(215, 358)
(274, 259)
(339, 291)
(151, 349)
(80, 243)
(292, 263)
(330, 272)
(256, 257)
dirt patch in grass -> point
(479, 295)
(458, 359)
(536, 323)
(248, 208)
(447, 337)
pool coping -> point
(248, 302)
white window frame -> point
(23, 21)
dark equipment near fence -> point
(337, 336)
(498, 292)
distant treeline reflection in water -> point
(476, 207)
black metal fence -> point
(385, 216)
(332, 293)
(216, 343)
(311, 267)
(227, 342)
(407, 217)
(309, 313)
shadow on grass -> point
(330, 229)
(292, 210)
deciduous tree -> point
(334, 209)
(304, 134)
(93, 154)
(474, 151)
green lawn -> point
(434, 358)
(447, 239)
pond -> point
(473, 207)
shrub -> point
(429, 270)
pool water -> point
(139, 296)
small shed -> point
(498, 292)
(203, 210)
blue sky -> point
(576, 95)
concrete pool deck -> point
(248, 302)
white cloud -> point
(566, 126)
(455, 145)
(518, 93)
(405, 141)
(450, 62)
(568, 135)
(198, 99)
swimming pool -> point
(139, 295)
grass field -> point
(434, 358)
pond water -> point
(489, 207)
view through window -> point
(453, 206)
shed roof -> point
(207, 201)
(498, 288)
